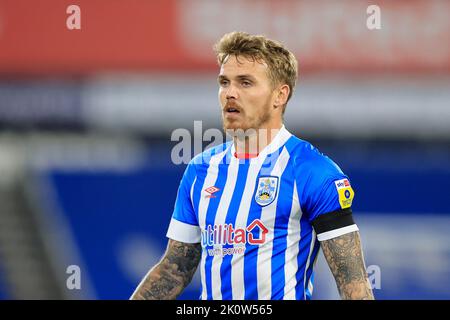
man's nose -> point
(231, 92)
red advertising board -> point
(171, 35)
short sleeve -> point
(325, 196)
(328, 194)
(322, 186)
(184, 226)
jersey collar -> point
(277, 142)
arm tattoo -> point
(345, 258)
(172, 274)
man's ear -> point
(282, 95)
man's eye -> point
(246, 83)
(223, 83)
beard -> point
(245, 125)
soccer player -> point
(255, 211)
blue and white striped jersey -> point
(254, 217)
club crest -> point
(266, 190)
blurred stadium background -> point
(86, 118)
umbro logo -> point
(211, 190)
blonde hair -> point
(281, 63)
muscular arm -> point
(172, 274)
(345, 258)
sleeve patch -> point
(345, 193)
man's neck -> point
(254, 142)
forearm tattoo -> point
(172, 274)
(345, 258)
